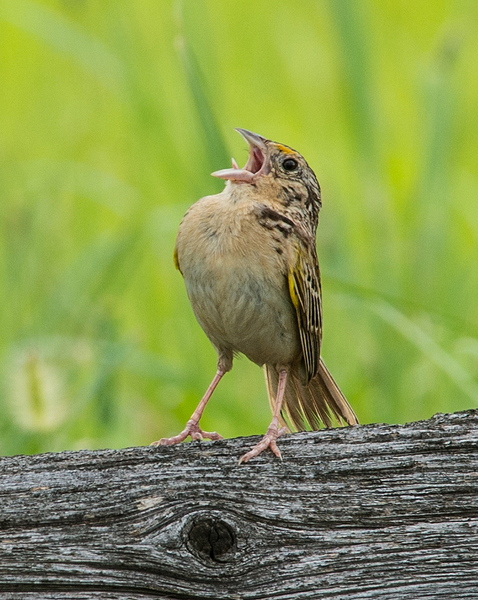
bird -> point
(249, 262)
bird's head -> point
(271, 162)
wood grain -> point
(365, 512)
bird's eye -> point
(290, 164)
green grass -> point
(112, 116)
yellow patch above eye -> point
(285, 149)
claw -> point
(193, 430)
(268, 441)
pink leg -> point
(192, 426)
(273, 431)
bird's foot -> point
(193, 430)
(268, 441)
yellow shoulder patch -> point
(176, 260)
(293, 295)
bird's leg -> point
(273, 431)
(192, 426)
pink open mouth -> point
(256, 165)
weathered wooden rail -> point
(367, 512)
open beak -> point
(257, 164)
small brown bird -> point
(249, 261)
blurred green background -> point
(112, 116)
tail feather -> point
(314, 404)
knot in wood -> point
(210, 538)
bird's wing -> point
(306, 296)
